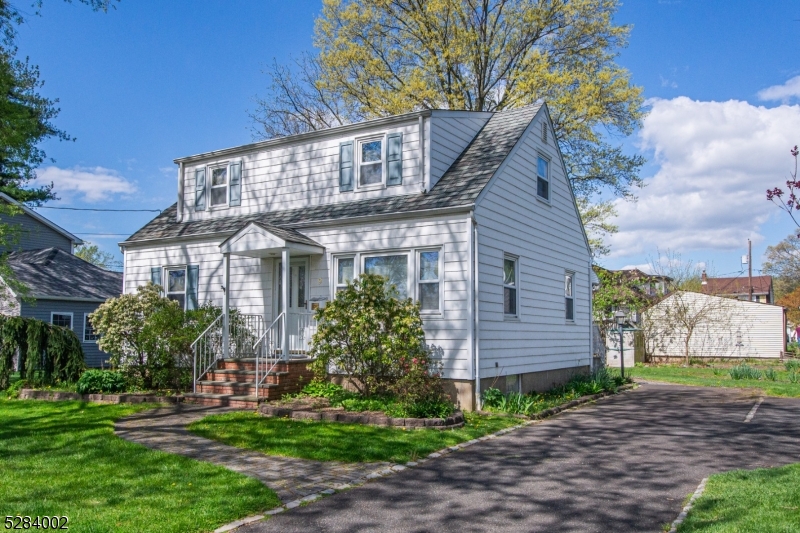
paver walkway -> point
(165, 429)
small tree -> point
(617, 290)
(368, 333)
(791, 302)
(149, 336)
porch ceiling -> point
(257, 239)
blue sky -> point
(153, 80)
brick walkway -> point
(165, 429)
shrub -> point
(149, 337)
(792, 365)
(770, 374)
(373, 337)
(744, 371)
(47, 354)
(793, 378)
(99, 381)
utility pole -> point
(750, 268)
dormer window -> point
(370, 169)
(219, 186)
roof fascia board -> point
(311, 224)
(66, 298)
(39, 218)
(455, 113)
(302, 137)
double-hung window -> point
(510, 288)
(176, 285)
(345, 272)
(394, 267)
(61, 319)
(89, 334)
(219, 186)
(429, 280)
(370, 162)
(543, 178)
(569, 299)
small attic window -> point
(544, 132)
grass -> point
(764, 501)
(719, 376)
(63, 459)
(334, 441)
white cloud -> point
(95, 184)
(716, 161)
(782, 93)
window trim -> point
(440, 280)
(165, 281)
(336, 258)
(358, 142)
(516, 287)
(210, 184)
(85, 322)
(547, 160)
(569, 274)
(71, 318)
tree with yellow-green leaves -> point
(384, 57)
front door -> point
(298, 304)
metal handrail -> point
(268, 332)
(196, 348)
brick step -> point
(231, 387)
(242, 376)
(223, 400)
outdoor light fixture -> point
(619, 316)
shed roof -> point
(737, 285)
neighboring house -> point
(62, 289)
(470, 214)
(739, 287)
(723, 327)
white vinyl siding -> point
(548, 239)
(450, 133)
(251, 282)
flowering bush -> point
(377, 340)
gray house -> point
(62, 288)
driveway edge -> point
(688, 507)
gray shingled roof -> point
(53, 273)
(459, 186)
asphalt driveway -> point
(624, 464)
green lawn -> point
(759, 501)
(63, 459)
(718, 377)
(333, 441)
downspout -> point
(180, 191)
(422, 186)
(591, 320)
(476, 311)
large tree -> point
(783, 264)
(383, 57)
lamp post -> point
(619, 316)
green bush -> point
(48, 354)
(377, 341)
(149, 337)
(100, 381)
(744, 371)
(770, 374)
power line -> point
(92, 209)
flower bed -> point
(310, 408)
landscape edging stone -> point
(34, 394)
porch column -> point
(226, 306)
(286, 272)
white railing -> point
(267, 350)
(302, 327)
(209, 346)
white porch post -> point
(286, 272)
(226, 306)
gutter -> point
(476, 311)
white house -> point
(716, 327)
(468, 213)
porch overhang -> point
(256, 239)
